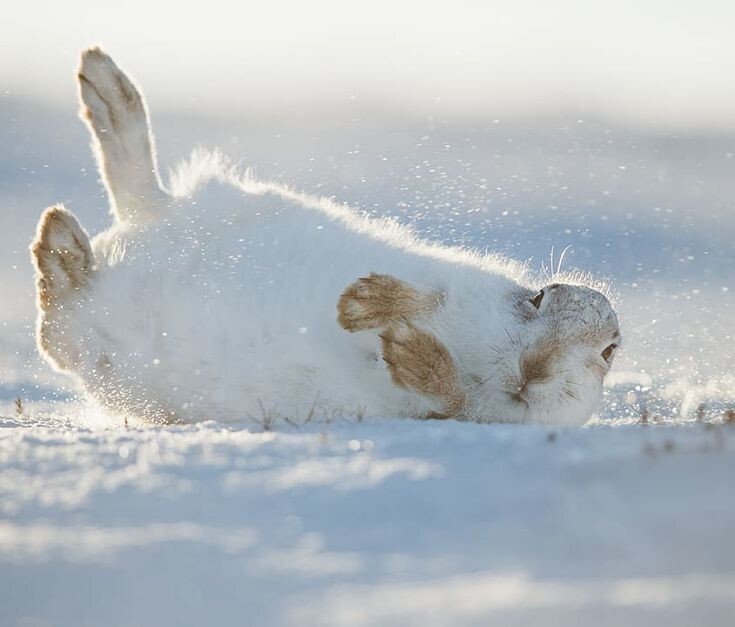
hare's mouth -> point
(517, 398)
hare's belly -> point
(287, 366)
(248, 323)
(275, 347)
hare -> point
(219, 296)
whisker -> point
(561, 259)
(510, 337)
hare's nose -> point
(535, 368)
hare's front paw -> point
(419, 362)
(379, 300)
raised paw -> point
(379, 300)
(419, 362)
(64, 266)
(110, 101)
(62, 256)
(114, 111)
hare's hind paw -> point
(378, 300)
(113, 109)
(109, 100)
(419, 362)
(62, 256)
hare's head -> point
(552, 366)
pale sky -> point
(652, 62)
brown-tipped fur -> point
(62, 256)
(64, 261)
(115, 114)
(379, 300)
(419, 362)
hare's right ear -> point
(116, 116)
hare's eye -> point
(536, 300)
(608, 352)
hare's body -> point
(230, 298)
(228, 308)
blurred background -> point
(522, 127)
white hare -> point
(221, 297)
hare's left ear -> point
(62, 256)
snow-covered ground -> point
(391, 523)
(397, 522)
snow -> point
(391, 522)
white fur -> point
(219, 301)
(116, 115)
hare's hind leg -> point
(62, 256)
(375, 301)
(115, 113)
(64, 265)
(417, 360)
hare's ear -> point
(62, 256)
(116, 116)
